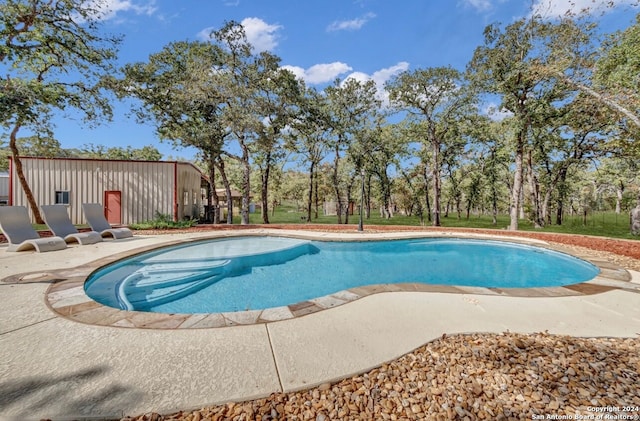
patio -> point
(55, 364)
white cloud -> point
(351, 24)
(108, 9)
(319, 73)
(358, 76)
(383, 75)
(483, 6)
(260, 34)
(380, 77)
(296, 70)
(495, 113)
(480, 5)
(205, 34)
(560, 8)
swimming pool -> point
(248, 273)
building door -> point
(112, 208)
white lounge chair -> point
(96, 220)
(17, 228)
(58, 221)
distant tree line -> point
(51, 148)
(563, 135)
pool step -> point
(169, 280)
(158, 283)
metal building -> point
(4, 188)
(130, 191)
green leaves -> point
(43, 42)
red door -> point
(112, 209)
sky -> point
(318, 40)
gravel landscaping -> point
(466, 377)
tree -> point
(178, 90)
(599, 71)
(409, 189)
(146, 153)
(435, 98)
(255, 94)
(601, 74)
(493, 158)
(620, 60)
(308, 138)
(618, 174)
(44, 42)
(508, 65)
(572, 136)
(617, 72)
(278, 97)
(40, 146)
(352, 105)
(384, 145)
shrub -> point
(163, 221)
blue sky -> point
(318, 40)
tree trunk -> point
(562, 177)
(317, 196)
(559, 212)
(517, 183)
(425, 176)
(264, 191)
(368, 209)
(386, 194)
(214, 200)
(534, 188)
(619, 195)
(336, 185)
(348, 205)
(15, 153)
(494, 205)
(415, 199)
(546, 217)
(436, 183)
(246, 185)
(310, 196)
(603, 98)
(227, 189)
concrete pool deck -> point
(64, 357)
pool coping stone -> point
(66, 297)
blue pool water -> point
(248, 273)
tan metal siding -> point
(189, 194)
(146, 187)
(4, 186)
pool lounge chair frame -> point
(57, 219)
(16, 227)
(97, 221)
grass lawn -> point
(604, 224)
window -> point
(62, 198)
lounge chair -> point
(96, 220)
(17, 228)
(58, 221)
